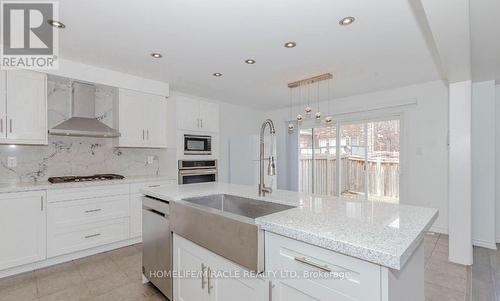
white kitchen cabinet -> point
(156, 131)
(188, 116)
(197, 115)
(136, 205)
(22, 228)
(209, 116)
(3, 105)
(23, 112)
(83, 218)
(207, 284)
(360, 280)
(141, 119)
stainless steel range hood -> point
(82, 121)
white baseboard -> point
(438, 229)
(68, 257)
(484, 244)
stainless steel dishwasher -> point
(157, 244)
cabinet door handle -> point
(201, 120)
(198, 123)
(10, 124)
(313, 264)
(41, 203)
(142, 134)
(1, 125)
(271, 286)
(93, 210)
(147, 132)
(93, 235)
(203, 276)
(209, 286)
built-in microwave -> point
(197, 145)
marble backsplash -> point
(80, 155)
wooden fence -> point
(383, 175)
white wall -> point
(460, 191)
(497, 161)
(425, 128)
(483, 164)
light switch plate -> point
(11, 161)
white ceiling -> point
(384, 48)
(485, 36)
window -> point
(366, 160)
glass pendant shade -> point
(328, 119)
(290, 127)
(318, 115)
(300, 117)
(308, 110)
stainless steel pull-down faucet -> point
(271, 168)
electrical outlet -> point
(11, 161)
(150, 159)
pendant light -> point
(308, 108)
(329, 119)
(290, 123)
(300, 118)
(318, 112)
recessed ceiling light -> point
(56, 24)
(156, 55)
(250, 61)
(217, 74)
(290, 44)
(346, 21)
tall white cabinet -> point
(141, 119)
(23, 107)
(22, 228)
(197, 115)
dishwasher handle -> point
(154, 211)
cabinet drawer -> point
(64, 214)
(87, 236)
(361, 279)
(136, 187)
(58, 195)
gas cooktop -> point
(97, 177)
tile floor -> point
(444, 280)
(486, 275)
(116, 275)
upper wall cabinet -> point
(23, 107)
(197, 115)
(141, 119)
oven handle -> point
(197, 172)
(198, 137)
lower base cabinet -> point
(22, 228)
(203, 275)
(351, 279)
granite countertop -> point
(382, 233)
(45, 185)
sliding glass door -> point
(364, 164)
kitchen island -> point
(374, 249)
